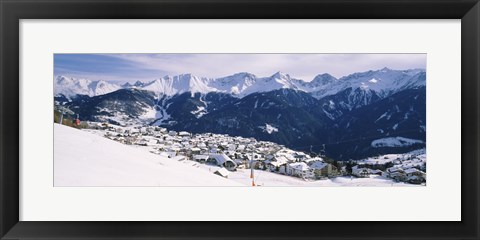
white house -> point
(195, 150)
(184, 134)
(241, 148)
(200, 158)
(308, 160)
(277, 164)
(232, 147)
(300, 169)
(360, 172)
(274, 166)
(222, 160)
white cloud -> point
(302, 66)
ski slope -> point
(85, 159)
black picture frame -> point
(12, 11)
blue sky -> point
(147, 67)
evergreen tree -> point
(348, 167)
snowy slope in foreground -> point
(269, 179)
(85, 159)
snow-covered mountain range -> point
(301, 115)
(71, 87)
(383, 82)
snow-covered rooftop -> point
(299, 166)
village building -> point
(300, 156)
(360, 172)
(322, 169)
(275, 166)
(222, 160)
(300, 169)
(200, 158)
(396, 173)
(376, 172)
(287, 154)
(201, 145)
(194, 151)
(414, 175)
(184, 134)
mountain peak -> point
(323, 79)
(138, 84)
(244, 74)
(71, 87)
(126, 85)
(240, 84)
(186, 75)
(62, 78)
(280, 74)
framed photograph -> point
(362, 129)
(239, 119)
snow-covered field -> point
(83, 158)
(264, 178)
(409, 159)
(395, 141)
